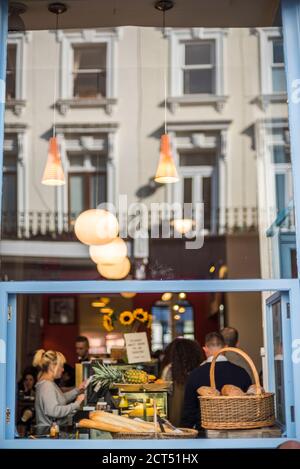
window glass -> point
(228, 129)
(89, 71)
(11, 71)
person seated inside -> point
(26, 385)
(225, 373)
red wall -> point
(60, 337)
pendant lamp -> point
(54, 173)
(166, 172)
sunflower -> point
(107, 323)
(126, 318)
(140, 315)
(149, 325)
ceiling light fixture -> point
(15, 22)
(166, 171)
(54, 173)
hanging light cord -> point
(55, 85)
(165, 71)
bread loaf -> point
(252, 390)
(207, 391)
(106, 427)
(230, 390)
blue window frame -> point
(289, 289)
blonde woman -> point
(50, 402)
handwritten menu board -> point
(137, 347)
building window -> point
(10, 196)
(277, 66)
(272, 70)
(198, 181)
(11, 71)
(87, 182)
(89, 75)
(199, 67)
(281, 161)
(15, 71)
(88, 62)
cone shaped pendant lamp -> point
(54, 173)
(166, 172)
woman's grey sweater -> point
(53, 404)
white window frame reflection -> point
(69, 39)
(177, 40)
(20, 40)
(267, 95)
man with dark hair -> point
(231, 339)
(225, 373)
(230, 336)
(82, 348)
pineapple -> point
(134, 376)
(106, 375)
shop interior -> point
(54, 322)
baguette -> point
(87, 423)
(122, 422)
(128, 424)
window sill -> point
(15, 105)
(217, 101)
(65, 104)
(264, 100)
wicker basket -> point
(186, 433)
(231, 412)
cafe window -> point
(89, 71)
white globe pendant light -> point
(96, 226)
(115, 271)
(111, 253)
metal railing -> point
(46, 226)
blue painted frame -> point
(9, 290)
(283, 299)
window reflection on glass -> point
(278, 72)
(169, 323)
(89, 71)
(278, 363)
(199, 68)
(87, 182)
(11, 71)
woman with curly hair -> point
(182, 356)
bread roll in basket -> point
(236, 411)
